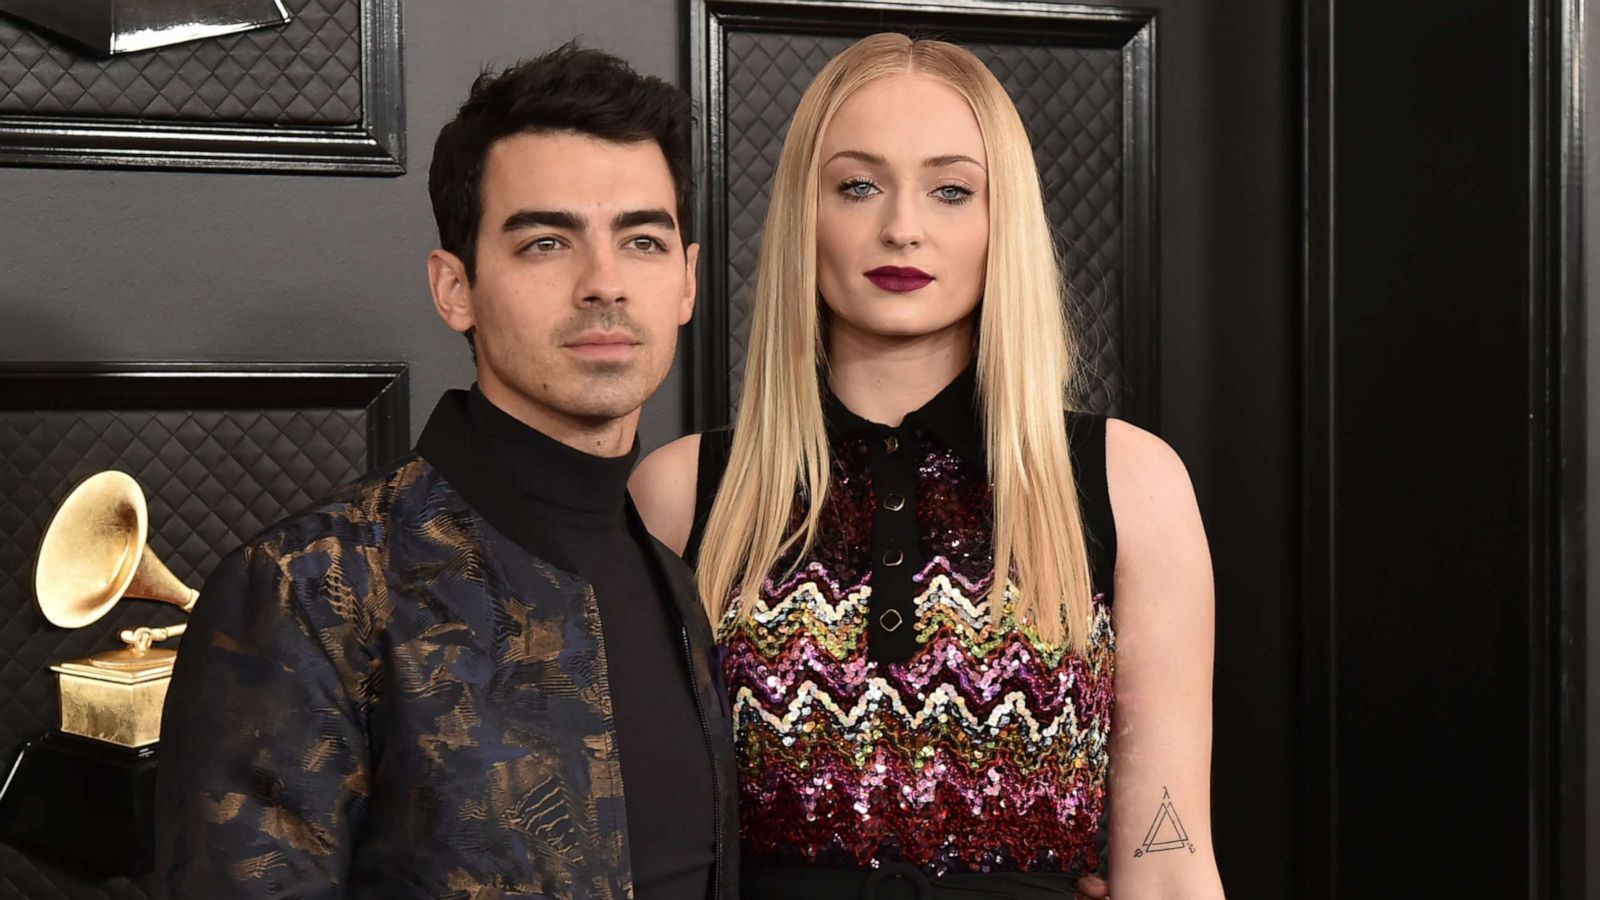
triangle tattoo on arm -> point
(1166, 831)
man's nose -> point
(601, 280)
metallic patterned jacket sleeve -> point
(264, 776)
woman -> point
(912, 550)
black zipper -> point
(716, 785)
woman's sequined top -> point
(885, 708)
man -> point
(473, 674)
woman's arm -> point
(1160, 791)
(663, 488)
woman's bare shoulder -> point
(1152, 498)
(663, 488)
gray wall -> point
(126, 265)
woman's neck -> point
(881, 378)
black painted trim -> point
(1131, 30)
(1543, 281)
(1141, 330)
(381, 389)
(375, 146)
(1557, 570)
(1317, 868)
(389, 415)
(1565, 821)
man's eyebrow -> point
(634, 218)
(543, 218)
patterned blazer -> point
(403, 693)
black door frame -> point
(1553, 265)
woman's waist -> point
(897, 881)
(946, 832)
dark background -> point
(1445, 451)
(1371, 356)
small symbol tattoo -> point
(1166, 832)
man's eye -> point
(646, 244)
(543, 245)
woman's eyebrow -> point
(935, 162)
(932, 162)
(871, 159)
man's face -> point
(582, 280)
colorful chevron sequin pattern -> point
(987, 751)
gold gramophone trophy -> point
(84, 793)
(92, 554)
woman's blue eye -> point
(858, 189)
(952, 193)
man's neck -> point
(881, 378)
(597, 437)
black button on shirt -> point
(952, 416)
(666, 770)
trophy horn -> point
(94, 552)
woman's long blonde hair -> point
(1025, 365)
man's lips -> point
(610, 343)
(899, 279)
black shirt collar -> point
(548, 470)
(952, 417)
(460, 453)
(464, 458)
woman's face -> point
(903, 209)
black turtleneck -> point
(582, 501)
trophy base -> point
(85, 805)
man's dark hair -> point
(569, 89)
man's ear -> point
(452, 291)
(691, 284)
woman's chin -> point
(907, 328)
(882, 321)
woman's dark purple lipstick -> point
(900, 279)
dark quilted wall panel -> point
(1070, 98)
(308, 72)
(212, 478)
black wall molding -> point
(1558, 382)
(221, 451)
(373, 146)
(379, 388)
